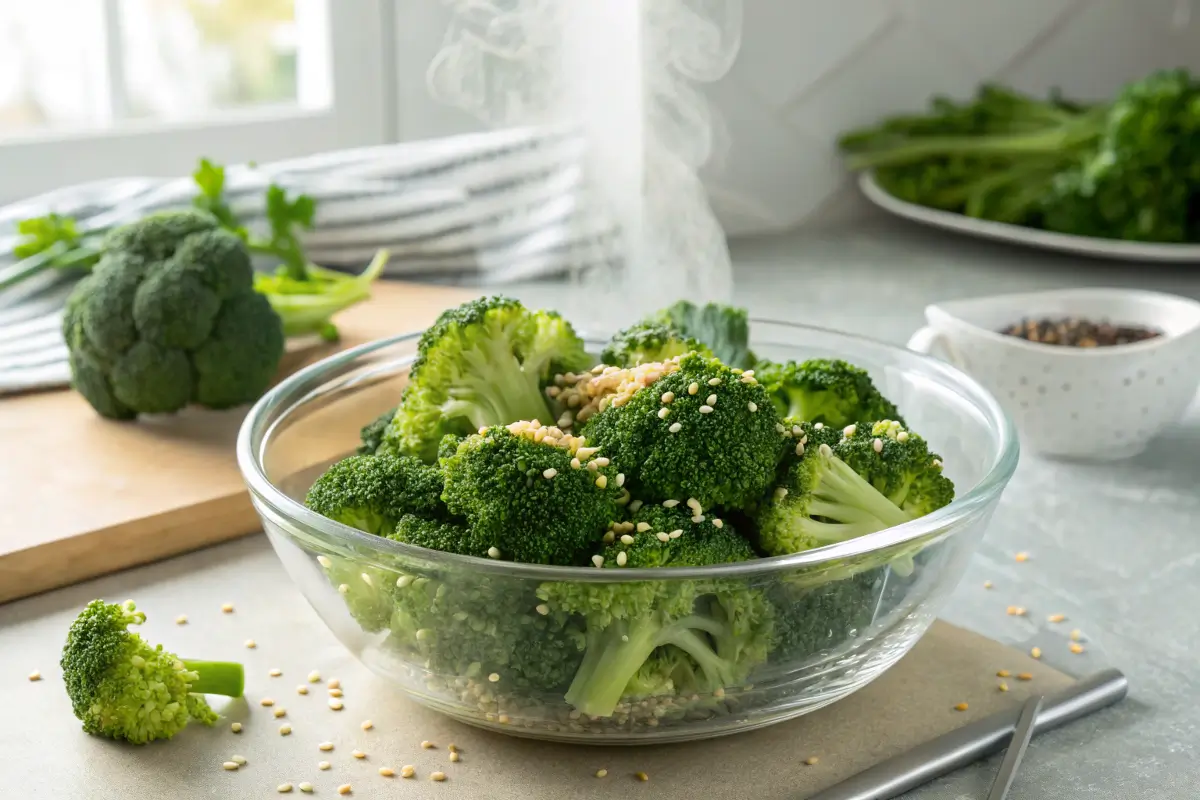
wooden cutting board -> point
(82, 496)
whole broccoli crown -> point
(656, 536)
(169, 317)
(704, 432)
(371, 493)
(482, 363)
(724, 329)
(822, 390)
(436, 534)
(532, 492)
(372, 433)
(120, 686)
(898, 463)
(648, 342)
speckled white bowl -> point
(1103, 403)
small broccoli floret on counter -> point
(532, 493)
(645, 637)
(649, 342)
(898, 463)
(371, 493)
(821, 390)
(702, 431)
(724, 329)
(123, 688)
(483, 363)
(372, 433)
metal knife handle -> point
(973, 741)
(1016, 748)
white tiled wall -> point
(809, 69)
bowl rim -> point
(945, 519)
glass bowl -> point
(470, 637)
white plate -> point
(1030, 237)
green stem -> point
(217, 677)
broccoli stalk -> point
(852, 506)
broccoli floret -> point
(449, 536)
(121, 687)
(643, 637)
(372, 433)
(371, 493)
(532, 493)
(724, 329)
(169, 317)
(649, 342)
(714, 439)
(821, 390)
(900, 466)
(448, 446)
(483, 363)
(810, 619)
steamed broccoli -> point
(823, 390)
(449, 536)
(724, 329)
(649, 342)
(123, 688)
(642, 637)
(898, 463)
(371, 493)
(482, 363)
(169, 317)
(809, 619)
(702, 431)
(371, 434)
(532, 493)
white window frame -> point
(360, 113)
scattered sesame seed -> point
(494, 678)
(36, 675)
(609, 537)
(575, 463)
(239, 760)
(283, 788)
(1003, 686)
(455, 756)
(620, 479)
(800, 448)
(266, 701)
(717, 523)
(452, 747)
(1075, 648)
(343, 588)
(549, 473)
(367, 725)
(693, 388)
(542, 609)
(675, 534)
(781, 492)
(250, 644)
(280, 712)
(753, 406)
(602, 461)
(602, 481)
(324, 765)
(1076, 635)
(387, 772)
(407, 771)
(345, 788)
(324, 561)
(961, 707)
(367, 579)
(1036, 652)
(306, 787)
(601, 773)
(1022, 557)
(236, 727)
(670, 503)
(1021, 611)
(667, 397)
(641, 776)
(302, 689)
(663, 413)
(493, 552)
(598, 560)
(987, 584)
(359, 754)
(902, 436)
(779, 428)
(698, 519)
(275, 672)
(662, 536)
(1024, 676)
(1056, 617)
(706, 409)
(227, 608)
(711, 400)
(181, 619)
(714, 381)
(230, 765)
(335, 692)
(675, 427)
(622, 558)
(820, 426)
(314, 677)
(825, 450)
(403, 581)
(285, 730)
(326, 746)
(877, 445)
(849, 430)
(1003, 673)
(635, 506)
(437, 776)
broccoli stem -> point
(217, 677)
(845, 488)
(309, 312)
(510, 392)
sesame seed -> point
(987, 584)
(693, 388)
(877, 445)
(266, 701)
(494, 678)
(587, 452)
(641, 776)
(635, 506)
(1022, 557)
(283, 788)
(667, 397)
(714, 381)
(323, 765)
(662, 536)
(719, 692)
(820, 426)
(598, 560)
(285, 730)
(403, 581)
(675, 427)
(280, 712)
(542, 609)
(602, 461)
(314, 677)
(593, 466)
(326, 746)
(335, 692)
(602, 481)
(1003, 673)
(812, 761)
(698, 518)
(1024, 676)
(711, 400)
(437, 776)
(675, 534)
(1021, 611)
(1011, 611)
(849, 431)
(779, 428)
(1056, 617)
(493, 552)
(961, 707)
(345, 788)
(367, 725)
(825, 450)
(706, 409)
(800, 448)
(306, 787)
(1036, 652)
(387, 772)
(250, 644)
(324, 561)
(359, 754)
(239, 760)
(781, 493)
(181, 619)
(455, 756)
(622, 557)
(302, 689)
(753, 406)
(343, 588)
(227, 608)
(575, 463)
(1003, 686)
(609, 537)
(335, 705)
(275, 672)
(407, 771)
(452, 747)
(717, 523)
(600, 773)
(1075, 648)
(670, 503)
(1076, 635)
(902, 436)
(36, 675)
(230, 765)
(937, 462)
(367, 579)
(236, 727)
(663, 413)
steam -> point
(626, 76)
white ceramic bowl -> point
(1090, 403)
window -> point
(145, 87)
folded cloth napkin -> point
(490, 207)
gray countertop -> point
(1114, 547)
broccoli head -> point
(121, 687)
(812, 619)
(532, 493)
(372, 493)
(649, 342)
(724, 329)
(169, 317)
(702, 431)
(483, 363)
(449, 536)
(823, 390)
(898, 463)
(372, 433)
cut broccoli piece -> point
(902, 468)
(121, 687)
(483, 363)
(715, 440)
(649, 342)
(821, 390)
(533, 493)
(811, 619)
(435, 534)
(724, 329)
(371, 493)
(372, 433)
